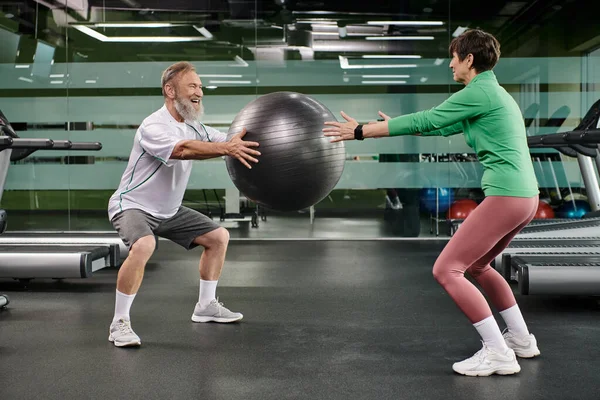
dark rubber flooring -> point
(322, 320)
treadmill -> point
(4, 300)
(562, 256)
(563, 247)
(57, 255)
(568, 274)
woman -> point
(493, 126)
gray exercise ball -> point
(298, 166)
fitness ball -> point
(434, 202)
(298, 166)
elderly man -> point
(148, 201)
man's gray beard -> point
(187, 110)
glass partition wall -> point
(90, 71)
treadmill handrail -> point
(5, 142)
(23, 147)
(62, 145)
(569, 150)
(6, 130)
(86, 146)
(68, 145)
(565, 138)
(22, 151)
(583, 149)
(28, 143)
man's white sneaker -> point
(523, 346)
(215, 312)
(487, 362)
(121, 334)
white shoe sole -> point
(504, 371)
(215, 319)
(133, 343)
(527, 353)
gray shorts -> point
(182, 228)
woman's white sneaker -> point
(523, 346)
(487, 362)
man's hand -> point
(242, 150)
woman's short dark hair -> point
(484, 47)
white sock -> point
(514, 321)
(490, 333)
(123, 304)
(207, 293)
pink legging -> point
(478, 240)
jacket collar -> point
(485, 75)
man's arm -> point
(200, 150)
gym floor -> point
(290, 225)
(323, 319)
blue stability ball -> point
(298, 166)
(573, 209)
(428, 199)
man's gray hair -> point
(174, 72)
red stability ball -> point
(460, 209)
(544, 211)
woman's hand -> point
(384, 116)
(340, 131)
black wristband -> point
(358, 133)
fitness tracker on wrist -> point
(358, 133)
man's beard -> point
(186, 109)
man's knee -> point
(214, 239)
(220, 237)
(143, 248)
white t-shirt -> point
(152, 182)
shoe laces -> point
(124, 326)
(481, 354)
(220, 306)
